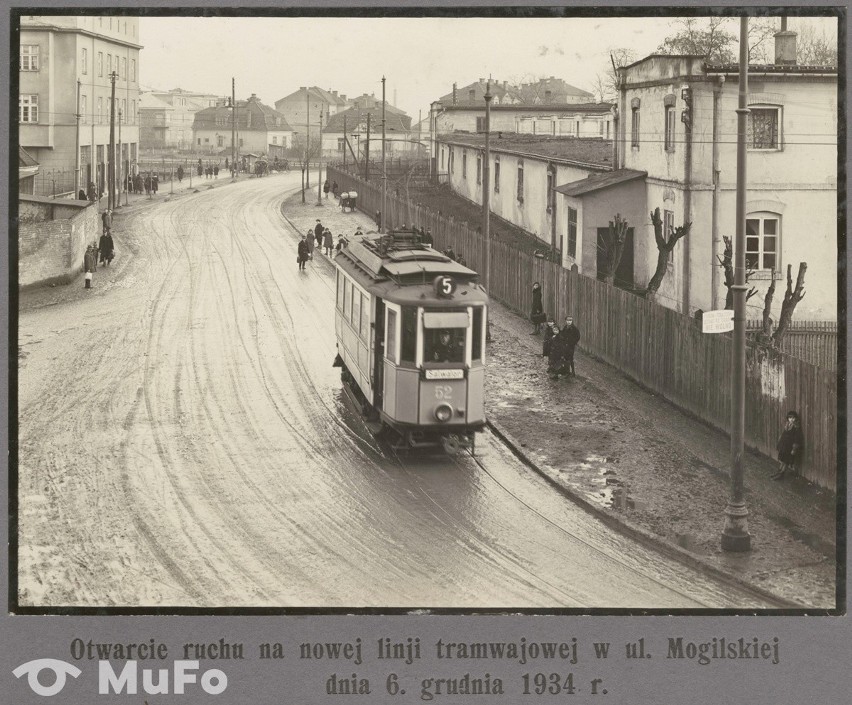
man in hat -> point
(561, 357)
(303, 252)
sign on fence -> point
(717, 321)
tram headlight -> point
(443, 412)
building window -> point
(100, 110)
(109, 64)
(123, 67)
(634, 128)
(471, 94)
(497, 174)
(28, 108)
(670, 129)
(220, 141)
(452, 161)
(520, 182)
(241, 141)
(123, 110)
(480, 124)
(479, 168)
(206, 140)
(199, 141)
(274, 140)
(464, 164)
(763, 128)
(763, 231)
(133, 69)
(442, 158)
(29, 57)
(100, 63)
(341, 144)
(572, 232)
(83, 109)
(668, 227)
(84, 61)
(132, 119)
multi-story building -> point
(306, 105)
(260, 130)
(65, 68)
(679, 126)
(179, 119)
(155, 120)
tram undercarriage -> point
(401, 437)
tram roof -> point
(396, 255)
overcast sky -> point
(421, 57)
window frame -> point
(464, 163)
(635, 121)
(764, 108)
(30, 60)
(669, 126)
(571, 243)
(84, 61)
(28, 102)
(668, 228)
(519, 185)
(100, 64)
(496, 173)
(762, 217)
(478, 168)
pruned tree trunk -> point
(614, 247)
(726, 261)
(665, 244)
(766, 329)
(791, 299)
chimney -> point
(455, 87)
(334, 93)
(342, 96)
(303, 88)
(785, 45)
(481, 81)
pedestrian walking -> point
(81, 196)
(326, 187)
(378, 219)
(106, 248)
(426, 239)
(790, 445)
(155, 182)
(334, 189)
(537, 314)
(303, 252)
(106, 218)
(328, 242)
(90, 262)
(92, 192)
(216, 171)
(550, 331)
(561, 358)
(200, 168)
(180, 174)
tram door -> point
(379, 353)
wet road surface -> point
(184, 441)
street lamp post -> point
(735, 535)
(111, 162)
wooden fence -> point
(661, 349)
(812, 341)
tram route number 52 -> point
(444, 286)
(443, 391)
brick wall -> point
(51, 251)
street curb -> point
(634, 530)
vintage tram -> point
(410, 327)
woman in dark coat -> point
(537, 315)
(790, 445)
(303, 252)
(106, 247)
(326, 187)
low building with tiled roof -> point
(27, 170)
(354, 120)
(260, 129)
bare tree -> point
(815, 48)
(766, 327)
(726, 261)
(791, 299)
(606, 81)
(611, 247)
(705, 37)
(665, 244)
(303, 157)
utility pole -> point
(233, 131)
(345, 142)
(111, 163)
(77, 146)
(120, 164)
(367, 152)
(319, 163)
(735, 535)
(384, 218)
(308, 139)
(486, 198)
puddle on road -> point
(797, 532)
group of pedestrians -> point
(330, 186)
(104, 251)
(559, 343)
(321, 239)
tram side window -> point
(390, 341)
(476, 345)
(356, 309)
(365, 318)
(340, 280)
(347, 300)
(409, 334)
(444, 345)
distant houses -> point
(259, 129)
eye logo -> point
(60, 669)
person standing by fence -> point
(790, 445)
(537, 314)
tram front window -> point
(444, 345)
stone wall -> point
(52, 239)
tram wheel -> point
(451, 444)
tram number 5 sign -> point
(444, 286)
